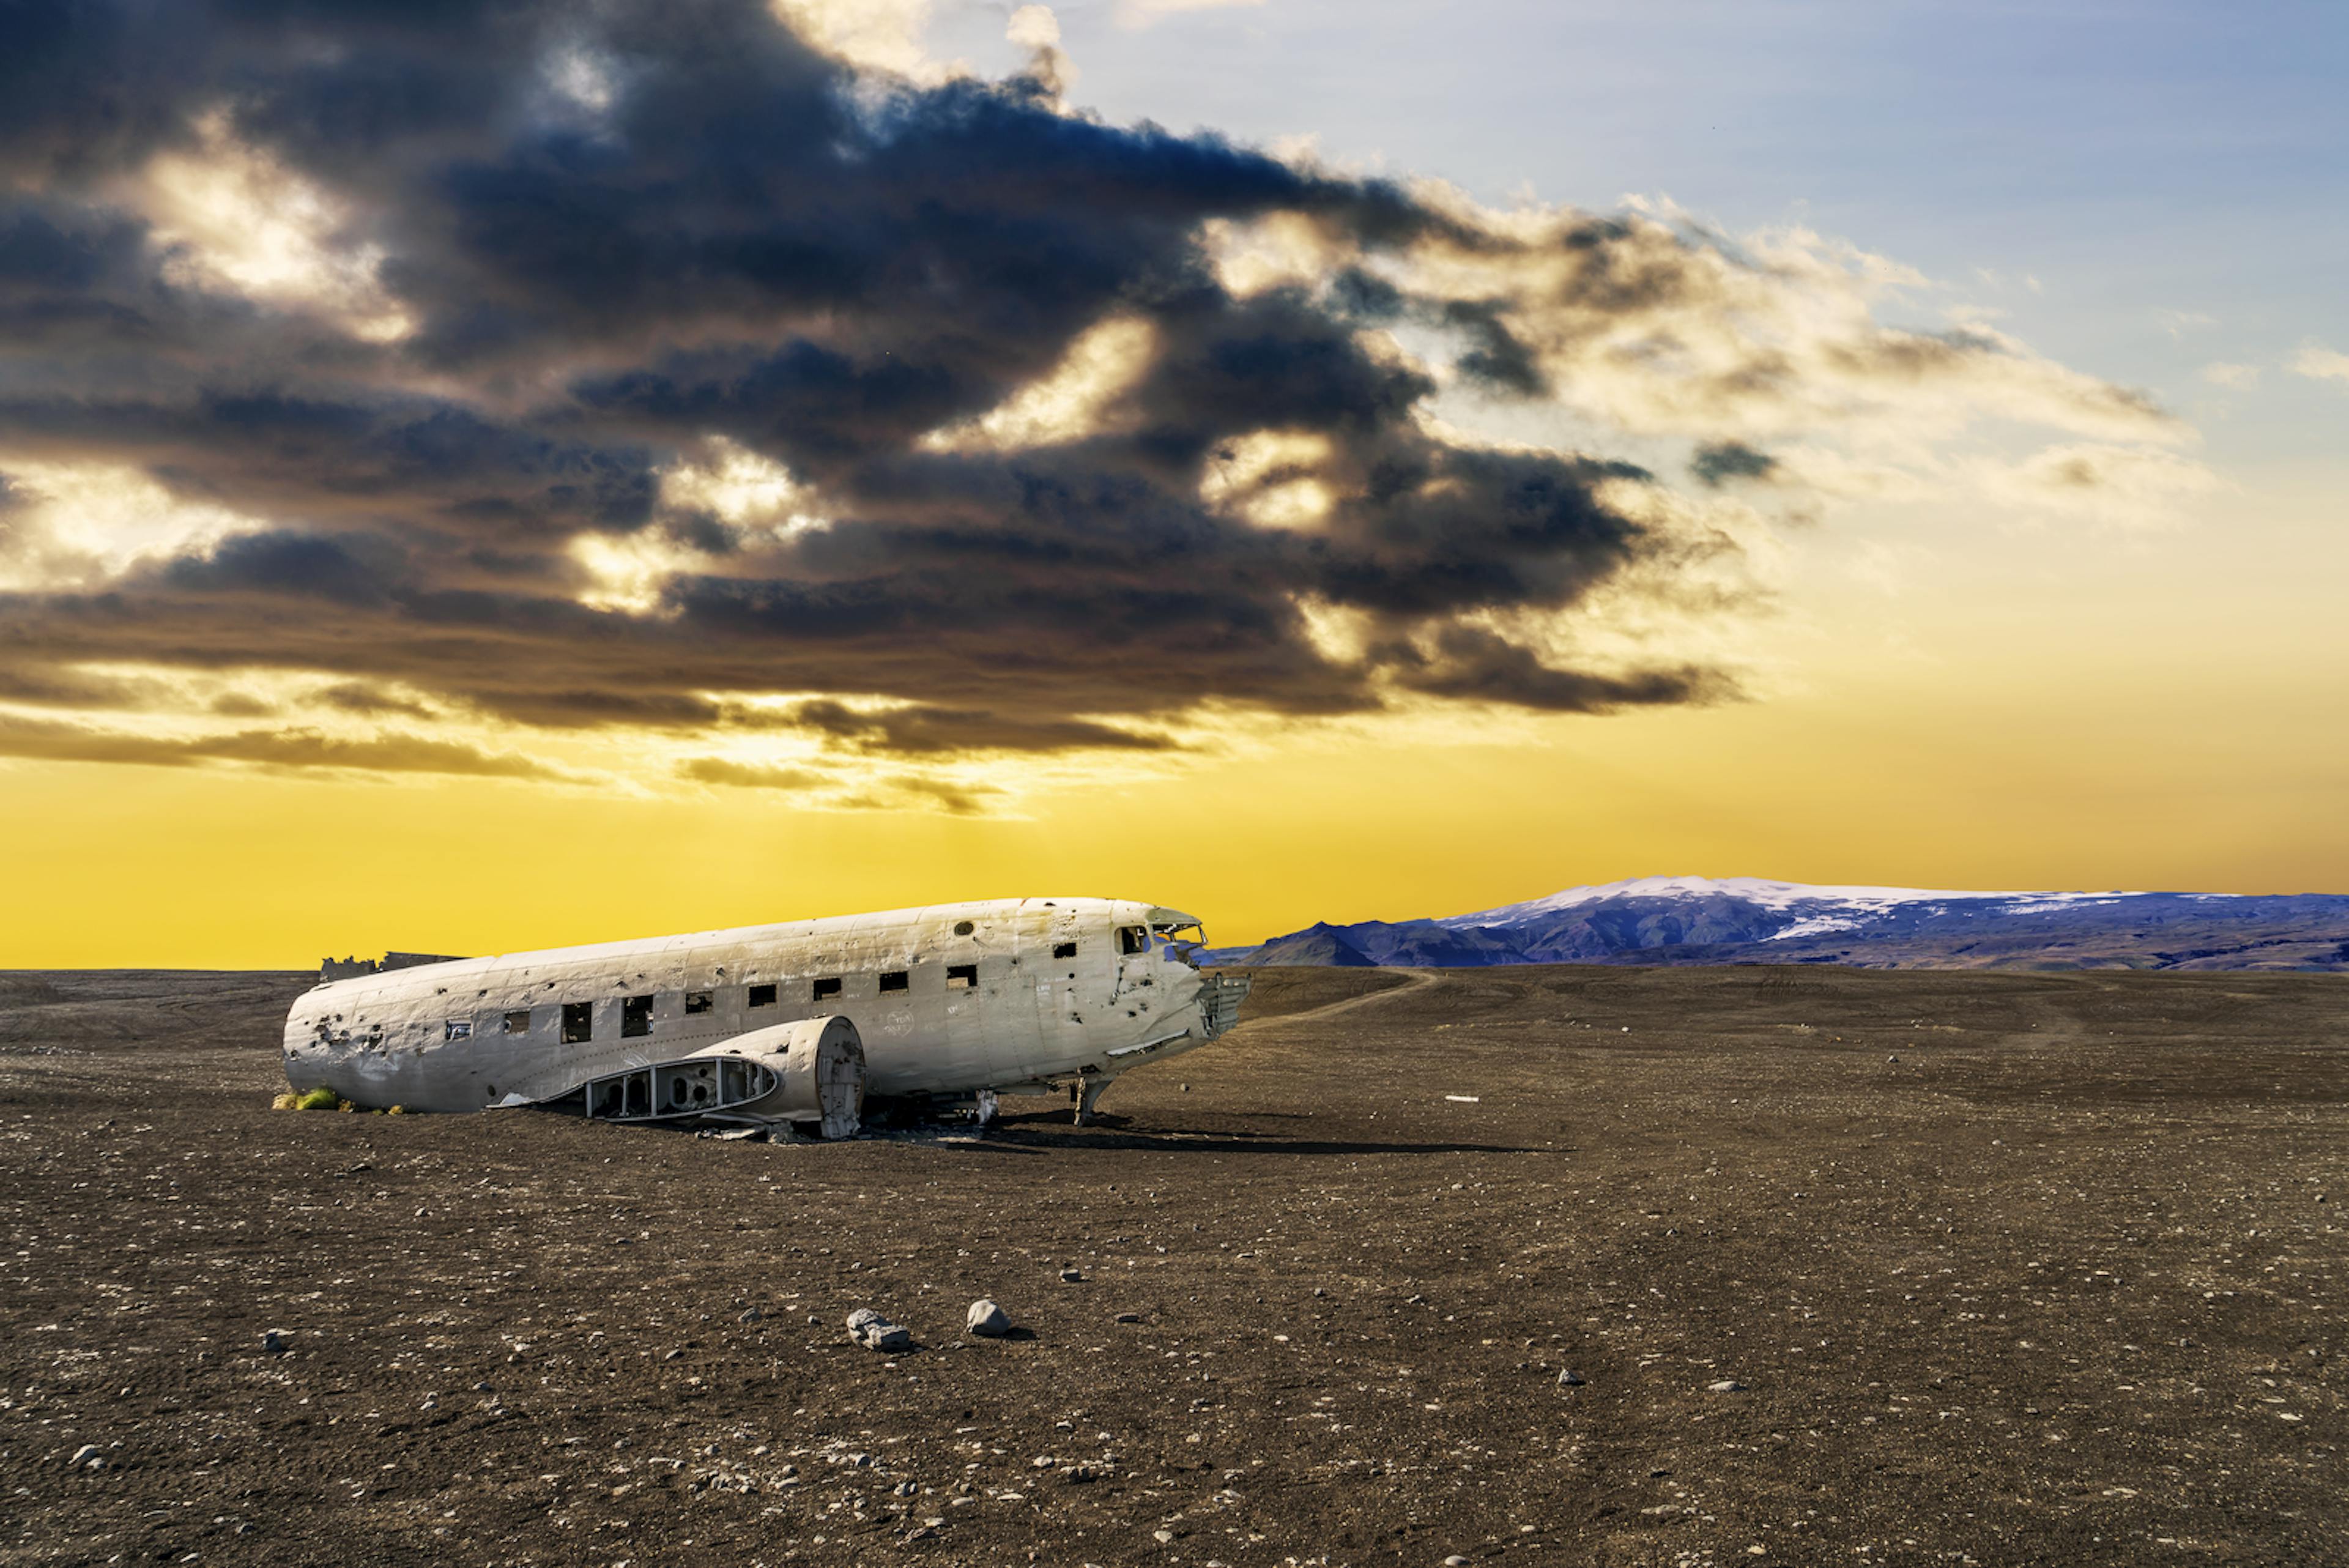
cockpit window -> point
(1132, 940)
(1183, 942)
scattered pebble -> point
(273, 1341)
(1571, 1378)
(752, 1315)
(1726, 1386)
(986, 1320)
(1073, 1276)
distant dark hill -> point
(1696, 919)
(1322, 945)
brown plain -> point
(2007, 1269)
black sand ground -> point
(2004, 1269)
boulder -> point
(874, 1331)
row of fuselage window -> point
(637, 1012)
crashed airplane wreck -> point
(946, 1007)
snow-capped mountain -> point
(1746, 919)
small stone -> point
(484, 1388)
(1164, 1536)
(672, 1356)
(273, 1341)
(986, 1320)
(1456, 1560)
(904, 1488)
(1892, 1058)
(83, 1455)
(1571, 1378)
(1726, 1386)
(874, 1331)
(1073, 1276)
(1129, 1317)
(752, 1315)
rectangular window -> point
(696, 1001)
(457, 1029)
(762, 996)
(1132, 940)
(827, 987)
(1064, 950)
(635, 1016)
(962, 976)
(895, 980)
(578, 1022)
(518, 1021)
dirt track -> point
(2061, 1283)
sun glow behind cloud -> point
(236, 220)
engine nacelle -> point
(811, 1071)
(819, 1067)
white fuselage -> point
(1009, 995)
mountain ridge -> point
(1746, 919)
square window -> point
(895, 980)
(827, 987)
(962, 977)
(696, 1001)
(1064, 950)
(1132, 940)
(635, 1016)
(457, 1029)
(518, 1021)
(762, 996)
(578, 1022)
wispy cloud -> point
(2320, 363)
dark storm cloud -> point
(947, 730)
(744, 775)
(1717, 464)
(281, 749)
(725, 239)
(1471, 662)
(352, 697)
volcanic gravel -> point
(1848, 1267)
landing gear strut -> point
(1083, 1096)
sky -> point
(475, 478)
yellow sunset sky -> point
(397, 584)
